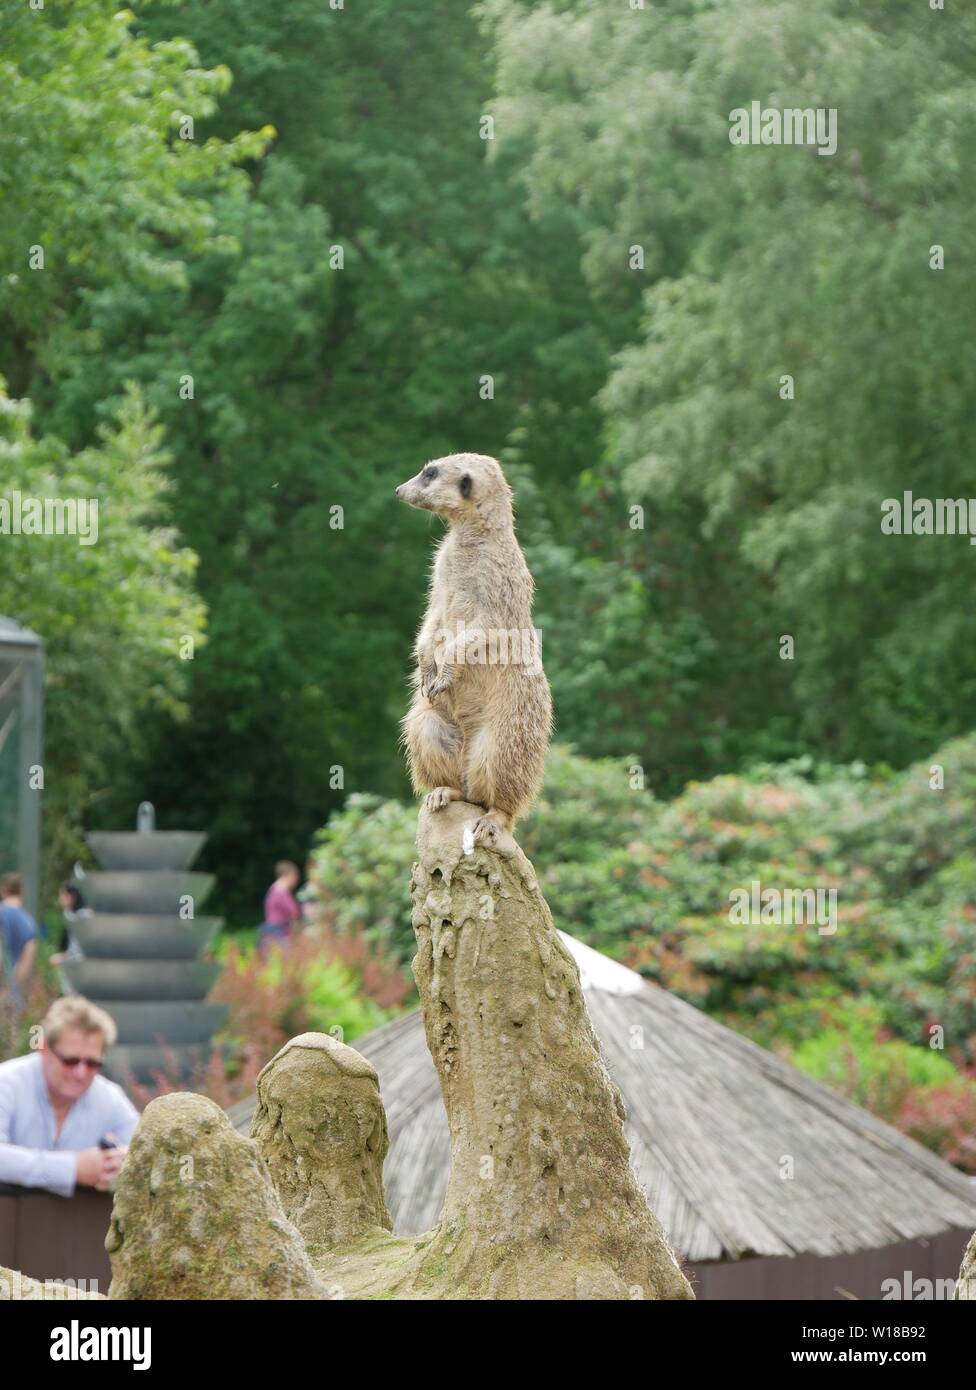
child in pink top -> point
(281, 910)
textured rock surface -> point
(321, 1129)
(195, 1215)
(541, 1200)
(966, 1285)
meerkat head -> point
(461, 487)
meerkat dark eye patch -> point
(428, 475)
(465, 485)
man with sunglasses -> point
(63, 1125)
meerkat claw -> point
(485, 832)
(441, 797)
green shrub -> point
(876, 1074)
(361, 865)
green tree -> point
(337, 330)
(100, 193)
(116, 608)
(759, 263)
(97, 182)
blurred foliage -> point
(297, 989)
(93, 174)
(362, 867)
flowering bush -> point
(16, 1024)
(944, 1119)
(304, 987)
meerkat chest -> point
(481, 582)
(459, 583)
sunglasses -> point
(92, 1063)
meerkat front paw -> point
(441, 797)
(433, 684)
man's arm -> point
(124, 1119)
(31, 1167)
(25, 963)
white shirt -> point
(31, 1153)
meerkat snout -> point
(458, 486)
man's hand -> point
(98, 1167)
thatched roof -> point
(711, 1117)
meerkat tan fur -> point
(479, 725)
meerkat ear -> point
(465, 485)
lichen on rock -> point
(541, 1200)
(321, 1128)
(195, 1215)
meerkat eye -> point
(428, 475)
(465, 485)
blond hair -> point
(75, 1012)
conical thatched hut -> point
(768, 1184)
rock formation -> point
(966, 1283)
(195, 1214)
(321, 1127)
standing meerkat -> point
(479, 725)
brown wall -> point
(51, 1237)
(831, 1277)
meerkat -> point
(481, 718)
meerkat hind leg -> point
(433, 748)
(486, 828)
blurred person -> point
(63, 1125)
(18, 937)
(308, 895)
(73, 909)
(281, 909)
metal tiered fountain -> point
(142, 947)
